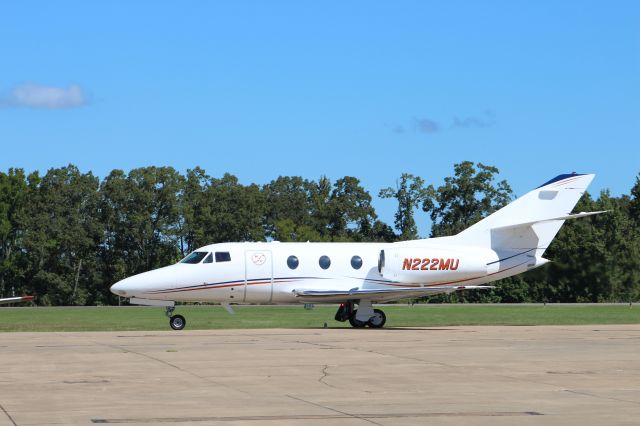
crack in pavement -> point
(355, 416)
(325, 374)
(610, 398)
(503, 375)
(520, 379)
(6, 413)
(167, 363)
(538, 382)
(324, 345)
(333, 416)
(422, 361)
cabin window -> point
(324, 262)
(208, 259)
(292, 262)
(356, 262)
(194, 257)
(223, 256)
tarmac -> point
(559, 375)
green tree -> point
(223, 210)
(351, 215)
(634, 203)
(465, 198)
(193, 205)
(65, 237)
(13, 203)
(62, 237)
(320, 203)
(303, 210)
(140, 213)
(468, 196)
(288, 209)
(595, 259)
(410, 191)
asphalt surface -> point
(586, 375)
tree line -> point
(67, 236)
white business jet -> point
(356, 275)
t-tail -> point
(529, 224)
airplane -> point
(355, 275)
(15, 299)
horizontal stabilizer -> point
(565, 217)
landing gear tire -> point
(177, 322)
(378, 319)
(354, 322)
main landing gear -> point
(365, 315)
(177, 322)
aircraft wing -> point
(15, 299)
(382, 293)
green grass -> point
(215, 317)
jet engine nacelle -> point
(426, 265)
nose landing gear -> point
(177, 322)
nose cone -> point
(121, 288)
(146, 283)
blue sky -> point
(367, 89)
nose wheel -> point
(177, 322)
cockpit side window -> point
(208, 259)
(223, 256)
(194, 257)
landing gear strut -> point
(346, 311)
(177, 322)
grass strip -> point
(40, 319)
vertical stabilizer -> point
(532, 221)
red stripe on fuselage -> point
(214, 286)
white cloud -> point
(37, 96)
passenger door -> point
(258, 276)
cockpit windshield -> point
(194, 257)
